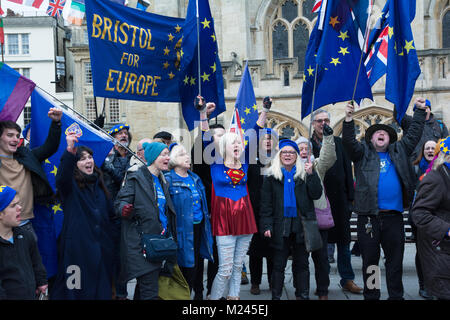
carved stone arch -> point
(369, 116)
(284, 125)
(437, 10)
(303, 20)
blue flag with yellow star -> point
(403, 67)
(211, 79)
(48, 219)
(246, 102)
(332, 58)
(135, 55)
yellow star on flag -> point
(247, 110)
(205, 77)
(56, 208)
(390, 32)
(47, 161)
(255, 107)
(445, 150)
(193, 81)
(181, 53)
(214, 37)
(166, 51)
(171, 37)
(166, 65)
(334, 21)
(1, 188)
(343, 51)
(186, 80)
(310, 71)
(178, 28)
(213, 67)
(242, 121)
(409, 46)
(335, 61)
(171, 75)
(205, 23)
(54, 171)
(343, 35)
(304, 77)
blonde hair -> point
(176, 150)
(276, 165)
(226, 139)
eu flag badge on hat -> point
(118, 127)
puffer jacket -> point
(367, 164)
(431, 214)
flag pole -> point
(309, 151)
(92, 124)
(366, 34)
(2, 44)
(198, 50)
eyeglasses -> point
(322, 121)
(288, 152)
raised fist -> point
(267, 104)
(200, 103)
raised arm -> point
(327, 156)
(415, 130)
(354, 149)
(51, 144)
(68, 162)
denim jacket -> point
(182, 199)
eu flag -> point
(332, 58)
(246, 102)
(210, 78)
(48, 219)
(403, 67)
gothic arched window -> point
(446, 30)
(291, 23)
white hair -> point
(226, 139)
(276, 165)
(176, 150)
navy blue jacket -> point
(182, 200)
(85, 240)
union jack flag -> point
(236, 126)
(55, 8)
(316, 6)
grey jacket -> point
(139, 191)
(367, 164)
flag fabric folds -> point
(333, 57)
(15, 90)
(135, 55)
(77, 12)
(246, 102)
(394, 54)
(49, 219)
(210, 78)
(55, 7)
(2, 30)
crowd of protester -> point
(289, 198)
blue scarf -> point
(290, 205)
(423, 165)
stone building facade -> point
(272, 36)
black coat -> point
(21, 268)
(367, 164)
(31, 160)
(259, 246)
(139, 191)
(114, 168)
(272, 207)
(431, 214)
(85, 239)
(432, 130)
(339, 189)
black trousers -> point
(300, 268)
(147, 286)
(211, 273)
(389, 232)
(322, 266)
(190, 274)
(256, 268)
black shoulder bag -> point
(157, 247)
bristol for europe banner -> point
(135, 55)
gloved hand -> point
(267, 104)
(200, 103)
(327, 131)
(127, 210)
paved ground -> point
(410, 282)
